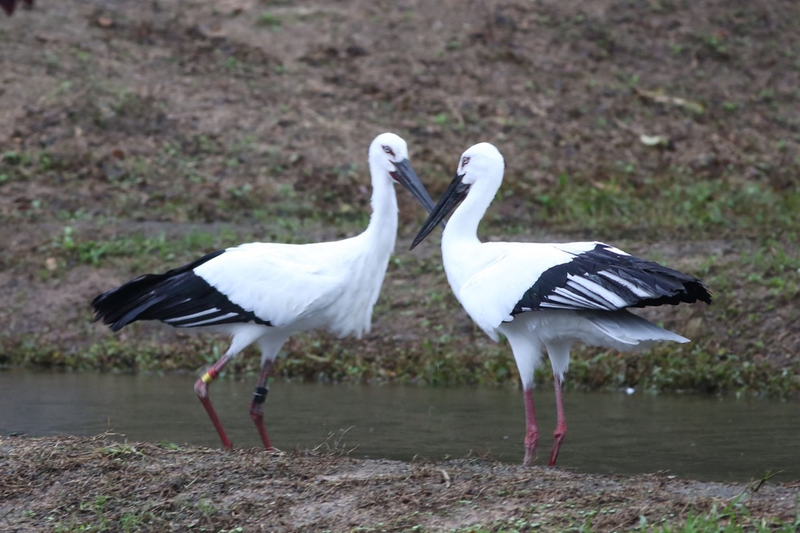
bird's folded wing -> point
(605, 278)
(575, 276)
(490, 295)
(278, 283)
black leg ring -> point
(260, 394)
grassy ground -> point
(138, 139)
(100, 484)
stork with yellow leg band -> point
(265, 292)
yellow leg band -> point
(207, 378)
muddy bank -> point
(67, 483)
(137, 138)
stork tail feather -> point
(131, 301)
(630, 329)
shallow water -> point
(700, 437)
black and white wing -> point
(178, 297)
(269, 284)
(522, 277)
(607, 279)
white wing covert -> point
(280, 284)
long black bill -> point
(455, 192)
(405, 175)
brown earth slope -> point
(138, 136)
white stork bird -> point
(547, 295)
(265, 292)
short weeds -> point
(675, 203)
(734, 517)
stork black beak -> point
(455, 192)
(404, 174)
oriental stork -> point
(265, 292)
(547, 295)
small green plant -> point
(717, 43)
(269, 20)
(121, 450)
(733, 518)
(206, 508)
(11, 158)
(93, 252)
(232, 64)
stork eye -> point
(464, 161)
(388, 150)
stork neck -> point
(383, 220)
(463, 224)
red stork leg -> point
(201, 388)
(257, 405)
(531, 431)
(561, 424)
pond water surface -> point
(701, 437)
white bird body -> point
(330, 285)
(547, 295)
(492, 282)
(297, 287)
(265, 292)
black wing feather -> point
(171, 297)
(638, 283)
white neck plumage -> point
(382, 229)
(463, 224)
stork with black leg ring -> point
(547, 295)
(265, 292)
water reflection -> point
(698, 437)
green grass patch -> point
(140, 251)
(320, 357)
(685, 368)
(732, 518)
(676, 204)
(269, 20)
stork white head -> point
(481, 166)
(387, 149)
(388, 154)
(481, 161)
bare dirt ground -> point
(65, 483)
(136, 136)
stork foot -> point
(257, 415)
(558, 438)
(531, 440)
